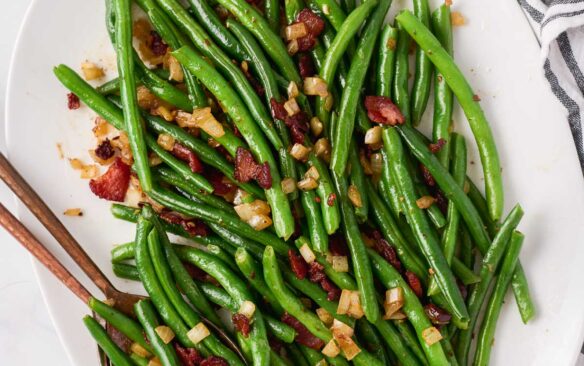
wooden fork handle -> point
(42, 212)
(40, 252)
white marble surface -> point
(27, 335)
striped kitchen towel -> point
(559, 27)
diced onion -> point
(247, 308)
(292, 90)
(292, 47)
(355, 196)
(312, 172)
(89, 172)
(244, 66)
(166, 141)
(198, 333)
(101, 128)
(307, 184)
(425, 202)
(316, 126)
(373, 135)
(355, 308)
(73, 212)
(288, 185)
(154, 361)
(76, 164)
(326, 9)
(204, 119)
(457, 19)
(315, 86)
(322, 149)
(291, 106)
(260, 222)
(146, 99)
(176, 71)
(307, 253)
(321, 363)
(248, 210)
(295, 31)
(340, 263)
(324, 316)
(399, 315)
(183, 119)
(344, 302)
(328, 102)
(91, 71)
(376, 163)
(110, 302)
(349, 347)
(340, 328)
(306, 302)
(299, 152)
(331, 349)
(165, 333)
(163, 112)
(365, 163)
(241, 197)
(154, 159)
(139, 350)
(431, 335)
(394, 301)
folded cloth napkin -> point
(559, 27)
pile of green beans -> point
(352, 217)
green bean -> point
(423, 74)
(387, 187)
(466, 249)
(348, 5)
(122, 252)
(314, 357)
(291, 9)
(113, 86)
(488, 267)
(470, 104)
(280, 330)
(173, 178)
(254, 274)
(123, 45)
(469, 213)
(426, 237)
(295, 354)
(237, 289)
(334, 53)
(201, 40)
(270, 41)
(359, 258)
(447, 346)
(386, 60)
(237, 241)
(358, 180)
(334, 13)
(222, 255)
(487, 333)
(282, 215)
(312, 211)
(328, 200)
(479, 202)
(394, 341)
(443, 101)
(412, 306)
(115, 354)
(206, 213)
(350, 97)
(463, 273)
(126, 271)
(272, 14)
(341, 279)
(372, 339)
(401, 95)
(458, 168)
(139, 361)
(125, 325)
(409, 338)
(207, 18)
(147, 316)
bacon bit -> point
(316, 275)
(119, 339)
(114, 183)
(462, 289)
(278, 110)
(476, 98)
(333, 293)
(214, 361)
(73, 212)
(382, 110)
(187, 356)
(247, 169)
(306, 66)
(257, 86)
(157, 45)
(188, 156)
(428, 178)
(317, 199)
(73, 101)
(414, 283)
(314, 27)
(275, 344)
(192, 226)
(331, 199)
(220, 186)
(316, 272)
(105, 150)
(298, 125)
(434, 148)
(338, 245)
(385, 250)
(297, 264)
(241, 323)
(303, 335)
(195, 272)
(438, 316)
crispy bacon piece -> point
(278, 110)
(119, 338)
(331, 199)
(462, 288)
(298, 125)
(195, 272)
(297, 264)
(73, 101)
(414, 283)
(427, 176)
(434, 148)
(241, 323)
(438, 316)
(257, 86)
(306, 66)
(275, 344)
(247, 169)
(187, 356)
(105, 150)
(338, 245)
(316, 274)
(382, 110)
(441, 200)
(303, 335)
(113, 184)
(332, 291)
(386, 251)
(192, 226)
(221, 187)
(157, 45)
(314, 27)
(185, 154)
(214, 361)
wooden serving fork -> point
(123, 301)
